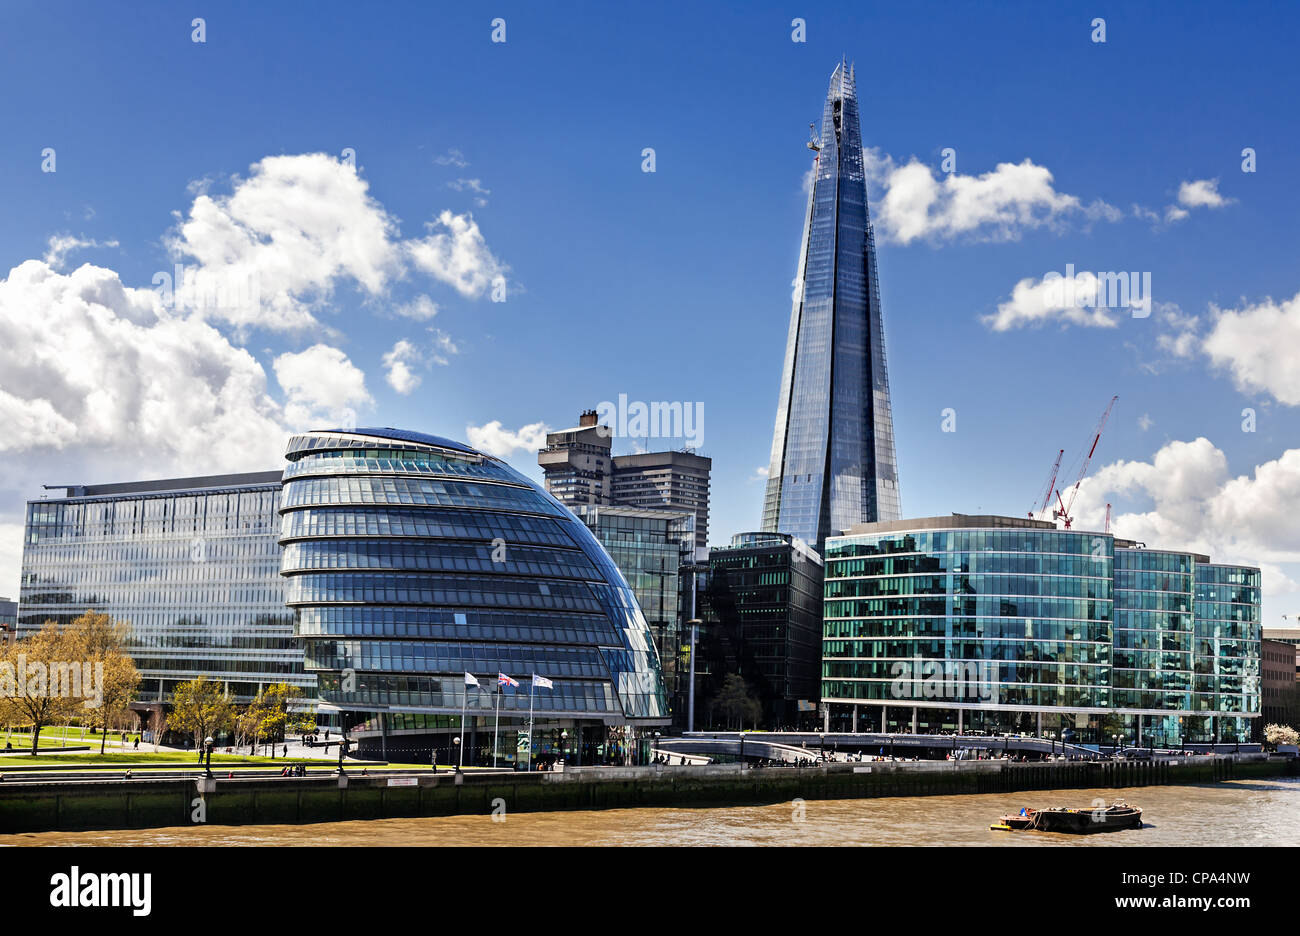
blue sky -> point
(672, 285)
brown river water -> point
(1240, 813)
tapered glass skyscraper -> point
(833, 463)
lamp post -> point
(891, 746)
(821, 746)
(208, 742)
(655, 752)
(460, 753)
(564, 741)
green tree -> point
(737, 703)
(36, 676)
(202, 708)
(101, 641)
(1281, 734)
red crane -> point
(1043, 502)
(1063, 511)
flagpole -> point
(461, 753)
(532, 684)
(496, 725)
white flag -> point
(542, 681)
(470, 680)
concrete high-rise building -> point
(666, 481)
(833, 464)
(578, 468)
(577, 463)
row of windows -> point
(312, 492)
(451, 694)
(441, 557)
(967, 562)
(1065, 696)
(349, 463)
(960, 605)
(907, 651)
(431, 523)
(952, 627)
(455, 657)
(909, 585)
(943, 541)
(447, 624)
(314, 588)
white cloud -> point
(1046, 301)
(1202, 193)
(1257, 345)
(421, 308)
(296, 228)
(456, 253)
(398, 363)
(273, 252)
(1195, 504)
(495, 439)
(453, 157)
(1145, 422)
(321, 383)
(60, 245)
(996, 206)
(11, 559)
(472, 185)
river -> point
(1237, 813)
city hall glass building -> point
(191, 565)
(1008, 624)
(833, 463)
(411, 560)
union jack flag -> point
(504, 680)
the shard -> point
(833, 462)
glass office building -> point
(1007, 624)
(833, 463)
(649, 548)
(192, 565)
(411, 560)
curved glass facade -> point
(1020, 626)
(410, 560)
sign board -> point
(403, 781)
(806, 706)
(521, 744)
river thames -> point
(1237, 813)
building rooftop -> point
(246, 479)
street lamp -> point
(655, 752)
(821, 745)
(209, 742)
(564, 741)
(460, 753)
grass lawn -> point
(147, 758)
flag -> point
(504, 680)
(470, 680)
(543, 682)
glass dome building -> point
(412, 560)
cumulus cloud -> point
(420, 308)
(995, 206)
(471, 185)
(1202, 193)
(274, 251)
(321, 383)
(1196, 504)
(456, 253)
(398, 363)
(1257, 345)
(1053, 299)
(495, 439)
(92, 365)
(453, 157)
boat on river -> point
(1113, 818)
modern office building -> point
(1279, 693)
(833, 463)
(578, 468)
(412, 560)
(1289, 636)
(763, 601)
(191, 564)
(649, 548)
(1009, 624)
(8, 618)
(666, 481)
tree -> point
(201, 707)
(101, 641)
(1281, 734)
(267, 716)
(41, 679)
(737, 701)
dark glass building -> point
(412, 560)
(1008, 624)
(763, 601)
(833, 463)
(191, 564)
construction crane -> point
(1065, 506)
(1041, 505)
